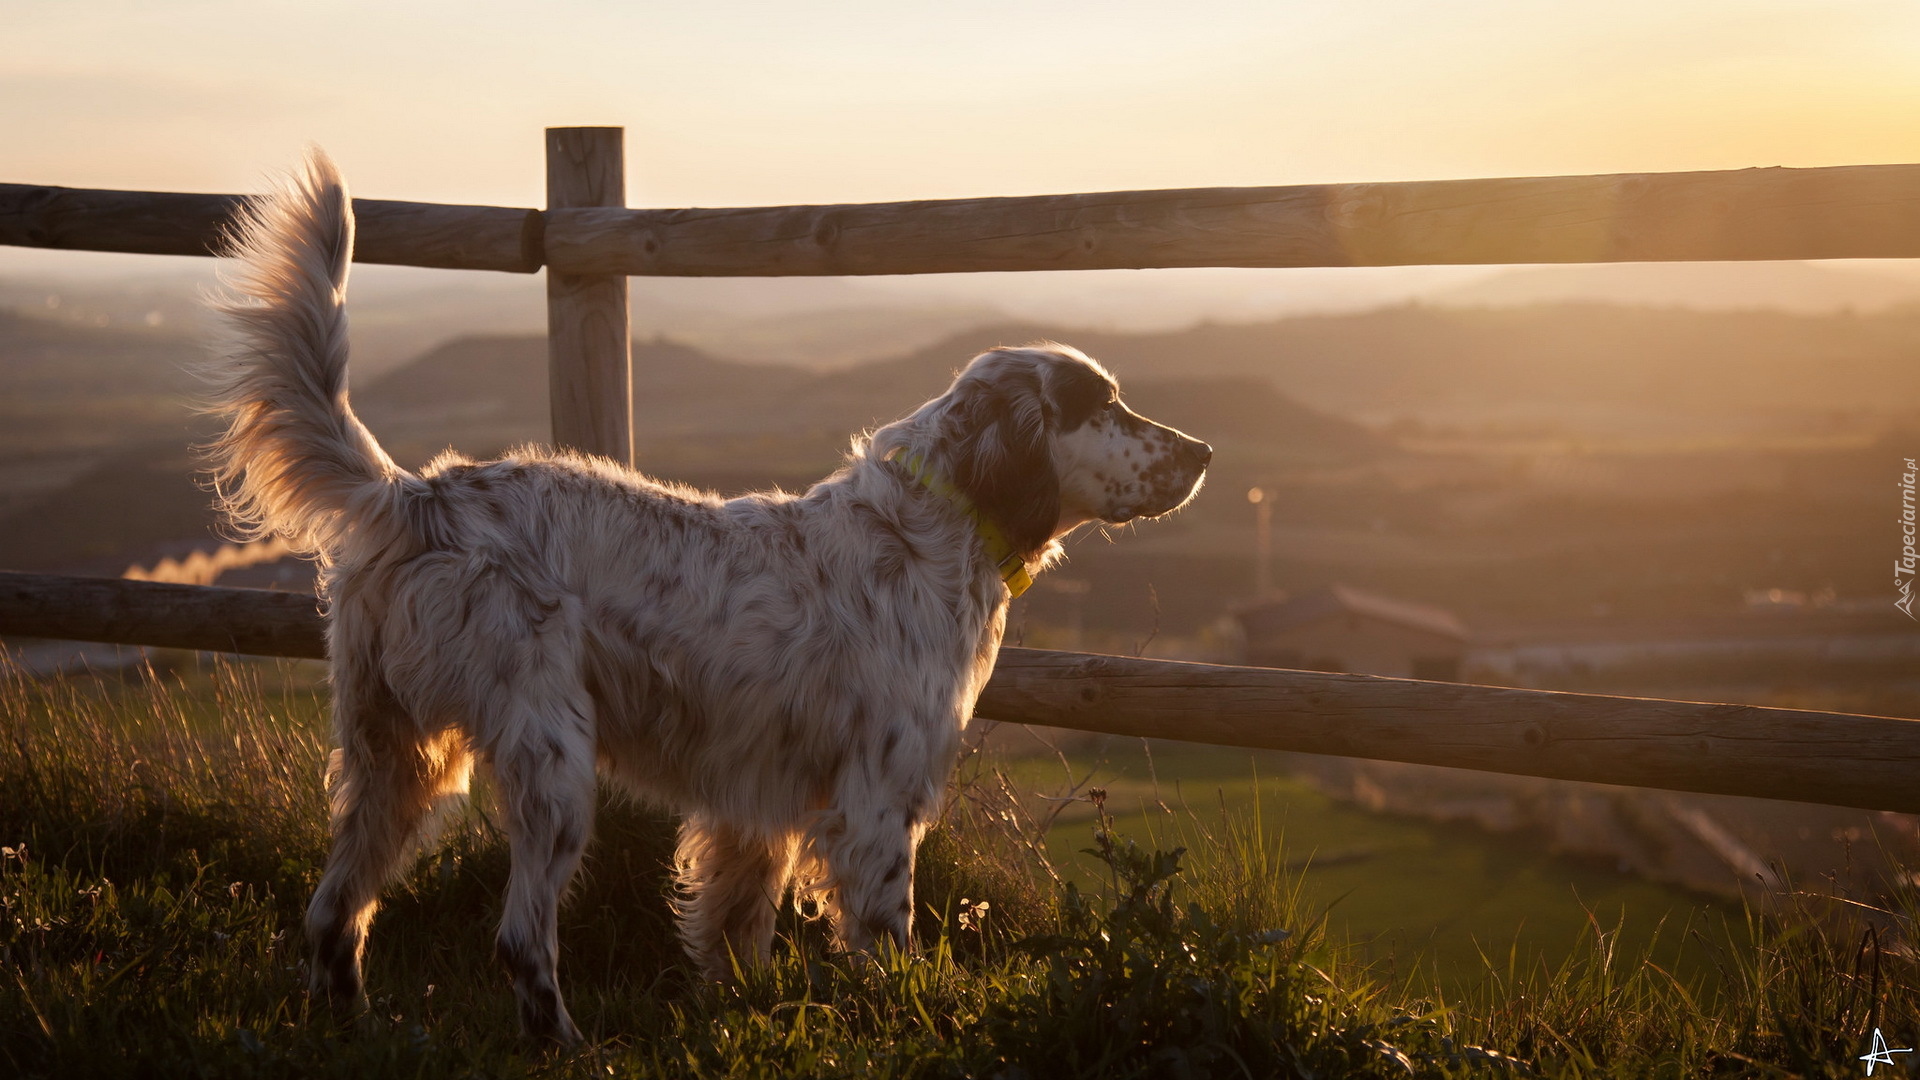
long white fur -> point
(790, 672)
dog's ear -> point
(1000, 454)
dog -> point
(792, 673)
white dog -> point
(791, 672)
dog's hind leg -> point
(730, 886)
(546, 778)
(382, 783)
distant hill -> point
(1800, 287)
(1594, 367)
(668, 379)
(400, 312)
(1541, 531)
(1589, 369)
(481, 393)
(1246, 416)
(486, 392)
(126, 503)
(67, 387)
(47, 359)
(708, 421)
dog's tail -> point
(293, 460)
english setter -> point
(790, 672)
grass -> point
(161, 836)
(1395, 888)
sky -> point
(733, 103)
(751, 103)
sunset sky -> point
(733, 103)
(738, 103)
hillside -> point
(481, 393)
(1592, 371)
(1595, 370)
(1675, 482)
(66, 386)
(699, 419)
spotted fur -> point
(790, 672)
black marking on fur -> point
(1000, 455)
(791, 731)
(569, 841)
(791, 533)
(1079, 394)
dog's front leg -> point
(871, 863)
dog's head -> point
(1037, 437)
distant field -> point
(1405, 893)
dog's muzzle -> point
(1180, 473)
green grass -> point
(1395, 889)
(161, 837)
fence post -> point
(589, 332)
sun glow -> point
(730, 103)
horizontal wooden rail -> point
(168, 223)
(1848, 212)
(1834, 213)
(1839, 759)
(1834, 758)
(256, 621)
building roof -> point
(1286, 613)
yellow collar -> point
(1012, 568)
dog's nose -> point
(1199, 452)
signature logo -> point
(1880, 1054)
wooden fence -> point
(589, 242)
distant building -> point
(1338, 628)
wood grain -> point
(1844, 212)
(256, 621)
(1832, 213)
(1834, 758)
(167, 223)
(589, 327)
